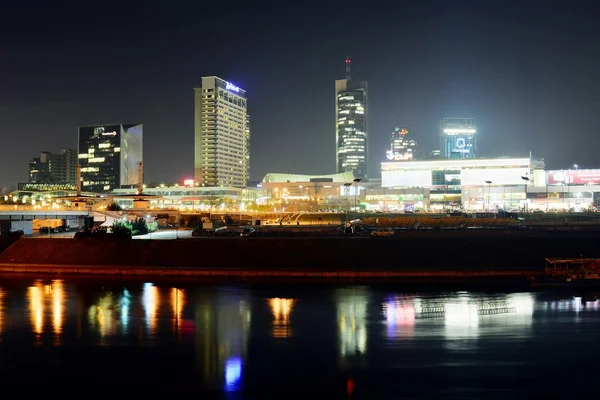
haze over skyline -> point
(524, 70)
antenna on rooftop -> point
(348, 62)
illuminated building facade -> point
(402, 145)
(221, 134)
(57, 168)
(468, 183)
(109, 156)
(39, 168)
(351, 129)
(458, 138)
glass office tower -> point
(109, 156)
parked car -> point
(386, 232)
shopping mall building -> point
(487, 184)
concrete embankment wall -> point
(435, 254)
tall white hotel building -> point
(221, 134)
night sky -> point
(527, 71)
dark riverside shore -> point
(476, 254)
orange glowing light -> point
(177, 302)
(36, 308)
(281, 309)
(58, 298)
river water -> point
(93, 337)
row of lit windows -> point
(90, 153)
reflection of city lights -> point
(58, 298)
(151, 300)
(178, 302)
(400, 317)
(222, 332)
(102, 315)
(125, 302)
(352, 320)
(281, 309)
(36, 311)
(522, 303)
(461, 314)
(461, 319)
(233, 374)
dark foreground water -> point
(111, 338)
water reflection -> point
(222, 331)
(281, 309)
(47, 299)
(36, 308)
(464, 314)
(352, 322)
(178, 303)
(58, 300)
(125, 303)
(102, 315)
(461, 317)
(400, 317)
(151, 301)
(576, 304)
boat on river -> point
(569, 272)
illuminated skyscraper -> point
(458, 137)
(351, 125)
(402, 145)
(221, 134)
(109, 156)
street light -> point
(489, 193)
(526, 180)
(347, 186)
(355, 190)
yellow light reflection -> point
(151, 297)
(102, 316)
(58, 298)
(352, 322)
(177, 302)
(36, 308)
(281, 309)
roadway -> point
(158, 235)
(168, 234)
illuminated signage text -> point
(232, 87)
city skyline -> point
(523, 100)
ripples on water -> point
(358, 342)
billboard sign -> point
(460, 145)
(574, 177)
(405, 156)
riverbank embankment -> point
(435, 254)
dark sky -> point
(526, 70)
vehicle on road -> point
(385, 232)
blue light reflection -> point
(233, 374)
